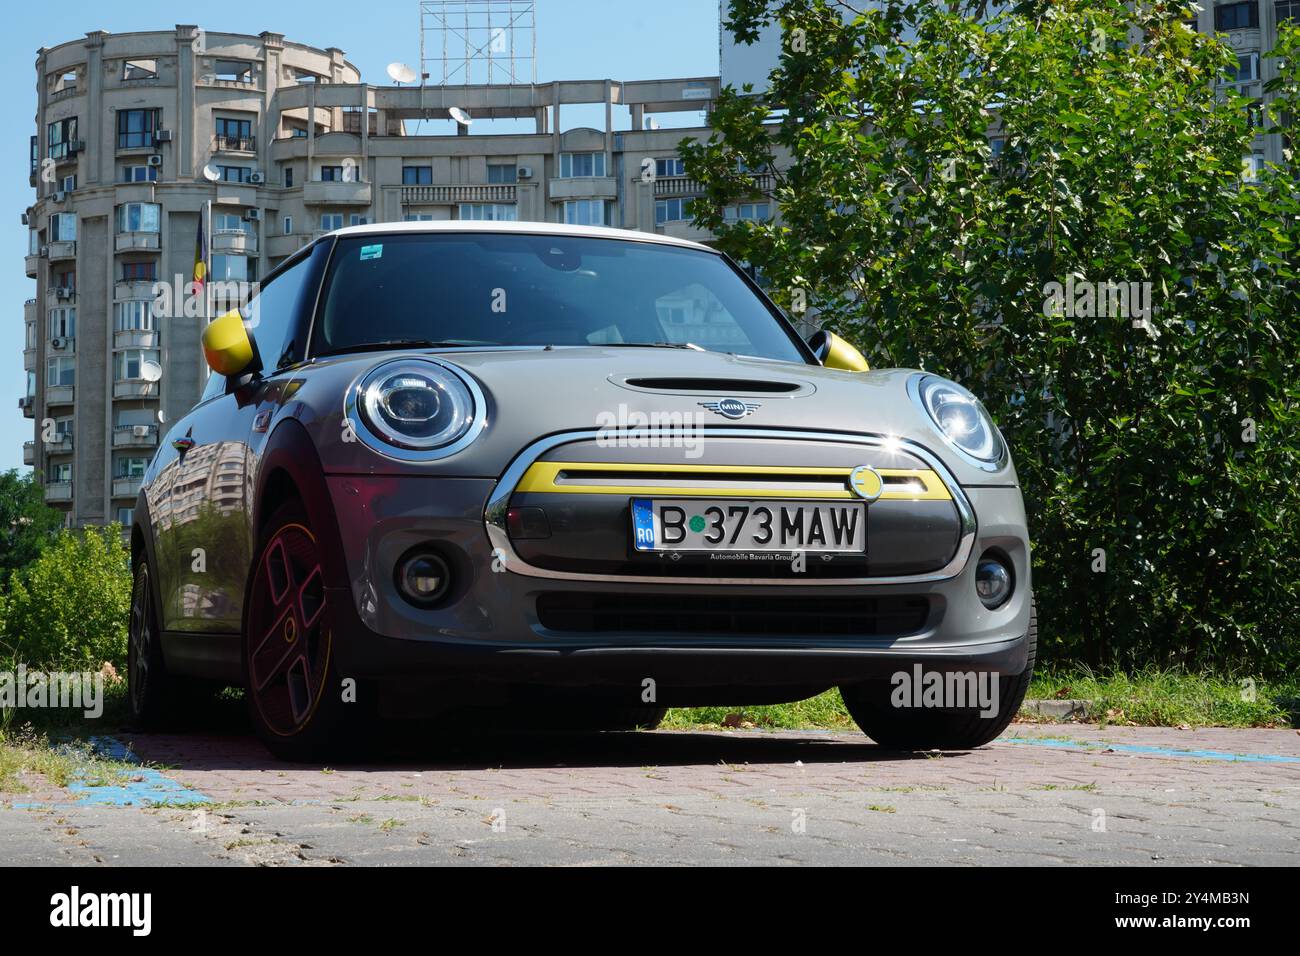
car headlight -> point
(419, 408)
(960, 418)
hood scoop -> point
(718, 386)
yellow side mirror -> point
(228, 345)
(833, 352)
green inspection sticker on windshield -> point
(371, 252)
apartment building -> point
(136, 134)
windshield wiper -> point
(387, 344)
(650, 345)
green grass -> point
(25, 751)
(1148, 698)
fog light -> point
(992, 582)
(423, 577)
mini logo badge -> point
(866, 483)
(731, 407)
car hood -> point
(532, 393)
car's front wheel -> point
(298, 703)
(148, 694)
(921, 728)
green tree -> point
(27, 524)
(949, 187)
(68, 609)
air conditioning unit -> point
(253, 215)
(140, 431)
(162, 136)
(59, 343)
(60, 196)
(155, 160)
(525, 172)
(76, 146)
(64, 292)
(256, 179)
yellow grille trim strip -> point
(544, 477)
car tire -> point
(294, 694)
(151, 696)
(938, 729)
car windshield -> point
(489, 289)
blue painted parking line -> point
(1153, 751)
(146, 788)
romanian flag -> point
(200, 254)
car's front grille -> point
(732, 614)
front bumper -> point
(494, 626)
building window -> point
(331, 174)
(288, 225)
(356, 219)
(672, 210)
(31, 335)
(59, 137)
(66, 279)
(666, 168)
(63, 227)
(235, 174)
(1252, 165)
(132, 467)
(585, 212)
(1247, 69)
(751, 211)
(63, 323)
(140, 69)
(573, 165)
(229, 222)
(136, 128)
(128, 365)
(288, 177)
(134, 316)
(138, 217)
(418, 217)
(488, 211)
(34, 147)
(139, 174)
(69, 183)
(61, 473)
(234, 133)
(1236, 16)
(230, 268)
(331, 220)
(139, 271)
(61, 370)
(502, 173)
(417, 175)
(1288, 10)
(125, 516)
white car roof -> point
(529, 228)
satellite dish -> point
(150, 371)
(400, 73)
(651, 123)
(211, 173)
(162, 417)
(460, 116)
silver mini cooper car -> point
(575, 471)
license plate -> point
(728, 524)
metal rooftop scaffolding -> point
(474, 42)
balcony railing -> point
(234, 240)
(125, 290)
(135, 436)
(234, 144)
(32, 264)
(61, 444)
(58, 491)
(61, 249)
(126, 487)
(134, 388)
(60, 293)
(135, 339)
(29, 453)
(678, 186)
(127, 241)
(453, 194)
(327, 193)
(60, 394)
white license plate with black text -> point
(729, 524)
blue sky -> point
(576, 39)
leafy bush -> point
(936, 174)
(27, 523)
(68, 609)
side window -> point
(274, 313)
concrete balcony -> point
(136, 339)
(234, 144)
(280, 246)
(27, 405)
(234, 240)
(135, 436)
(60, 394)
(58, 491)
(60, 295)
(584, 187)
(684, 230)
(61, 445)
(134, 388)
(677, 186)
(29, 359)
(29, 453)
(125, 290)
(131, 241)
(336, 194)
(444, 195)
(62, 250)
(30, 314)
(62, 345)
(32, 264)
(126, 487)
